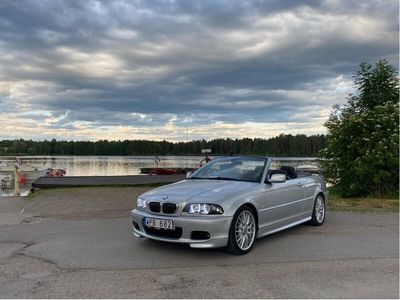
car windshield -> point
(232, 168)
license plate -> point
(160, 223)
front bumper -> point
(216, 226)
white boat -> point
(5, 182)
(30, 172)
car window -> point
(232, 168)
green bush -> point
(362, 148)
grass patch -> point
(336, 202)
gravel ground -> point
(83, 203)
(76, 243)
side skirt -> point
(285, 227)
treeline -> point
(282, 145)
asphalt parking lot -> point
(353, 255)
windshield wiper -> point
(216, 178)
(224, 178)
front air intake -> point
(155, 207)
(169, 208)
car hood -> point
(201, 190)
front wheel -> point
(318, 214)
(242, 232)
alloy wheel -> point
(319, 209)
(245, 230)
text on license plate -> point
(159, 223)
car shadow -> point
(178, 248)
(261, 244)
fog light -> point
(200, 235)
(135, 225)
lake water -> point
(118, 165)
(124, 165)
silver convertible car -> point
(229, 203)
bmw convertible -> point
(230, 202)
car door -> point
(281, 203)
(310, 186)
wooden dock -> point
(79, 181)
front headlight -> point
(141, 203)
(203, 208)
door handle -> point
(300, 184)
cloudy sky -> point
(181, 70)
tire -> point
(319, 211)
(241, 236)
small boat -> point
(5, 182)
(174, 171)
(55, 172)
(166, 171)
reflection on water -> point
(122, 165)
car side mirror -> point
(188, 174)
(277, 178)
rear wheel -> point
(318, 214)
(242, 232)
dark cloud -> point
(186, 63)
